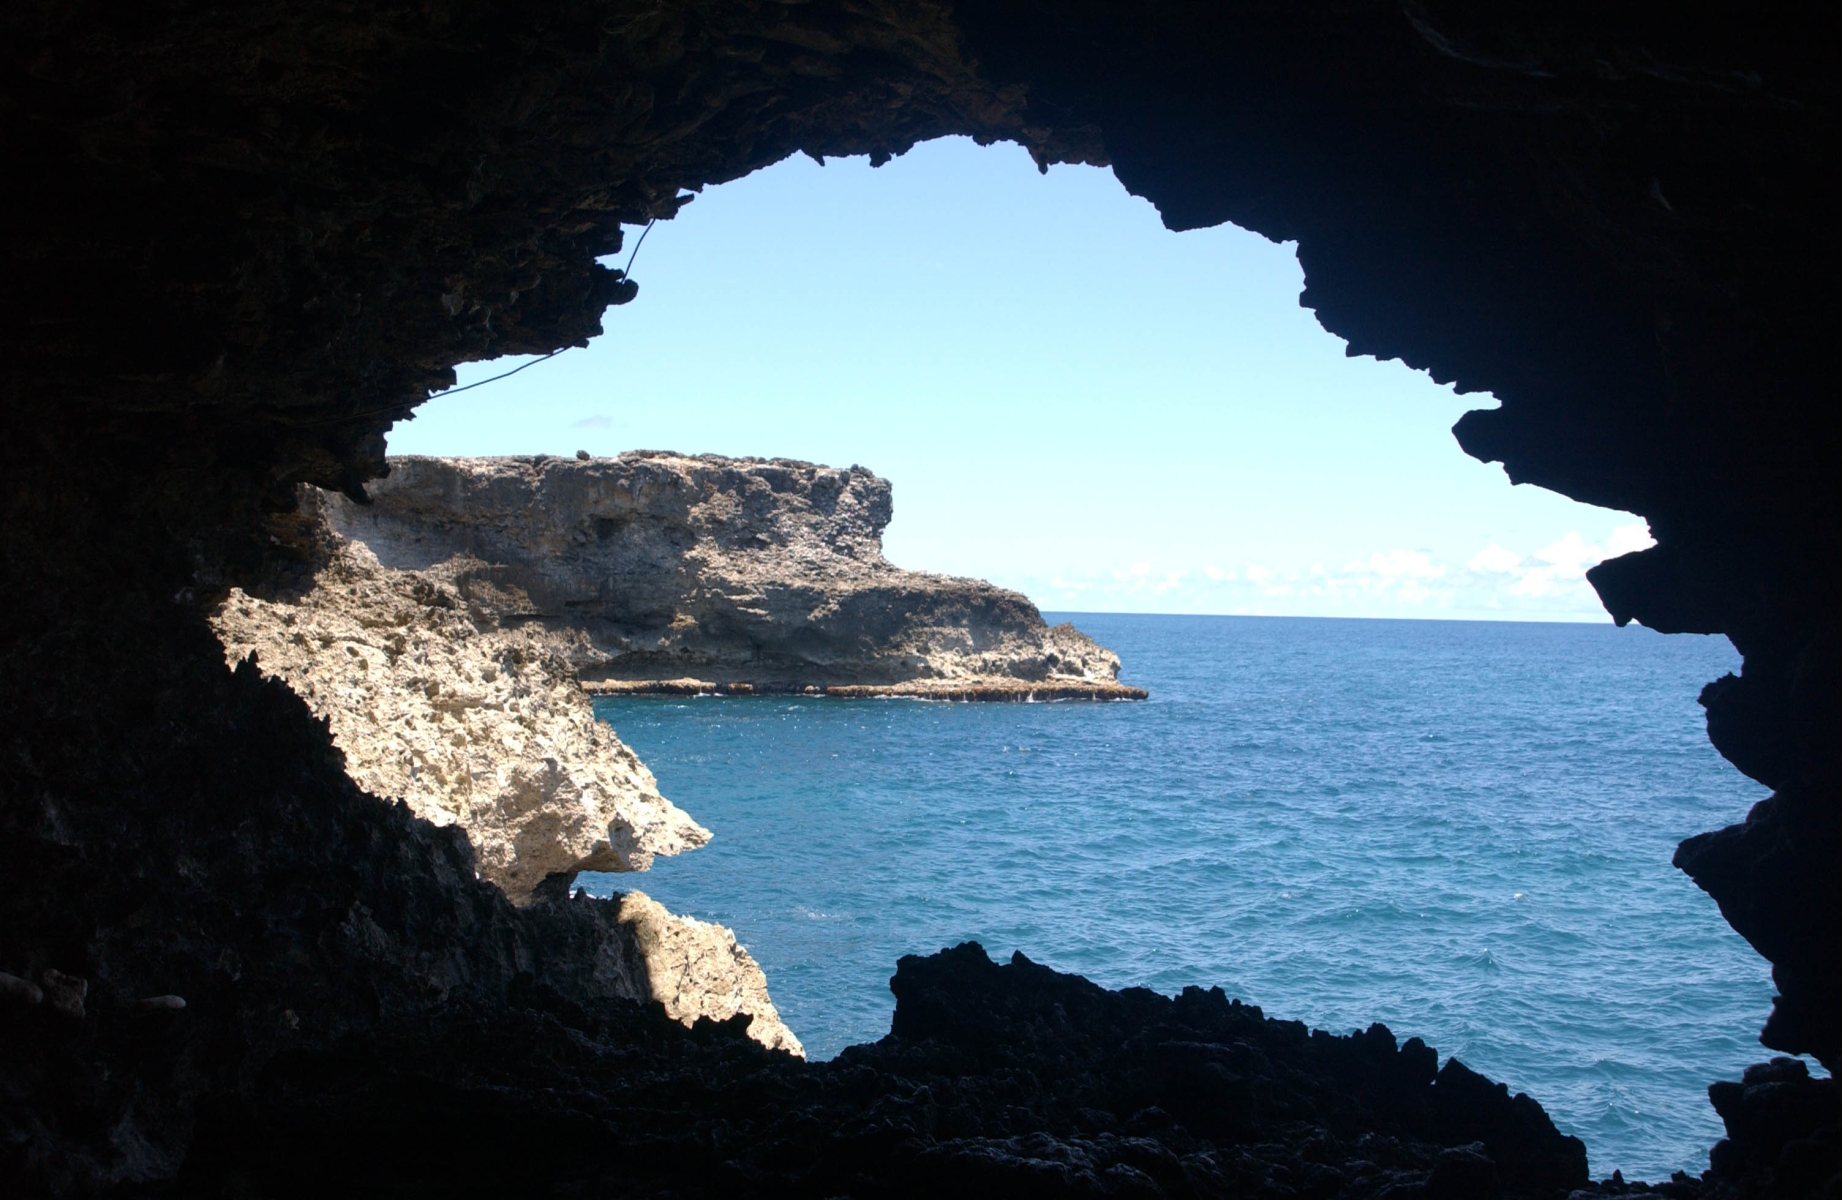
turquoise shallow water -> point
(1460, 829)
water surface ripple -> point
(1460, 829)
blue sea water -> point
(1460, 829)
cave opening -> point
(1155, 425)
(242, 242)
(1153, 418)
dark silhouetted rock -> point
(995, 1080)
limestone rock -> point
(691, 573)
(697, 969)
(469, 722)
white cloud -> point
(1571, 553)
(1141, 578)
(1559, 568)
(1548, 583)
(1494, 560)
(1398, 564)
(594, 422)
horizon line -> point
(1606, 620)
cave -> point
(241, 242)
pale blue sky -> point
(1069, 399)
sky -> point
(1069, 399)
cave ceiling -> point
(297, 218)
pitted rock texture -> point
(689, 573)
(1009, 1080)
(333, 914)
(484, 728)
(697, 970)
(470, 723)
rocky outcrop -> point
(995, 1080)
(1775, 875)
(629, 948)
(661, 572)
(1784, 1132)
(469, 722)
(483, 728)
(698, 971)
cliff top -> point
(559, 508)
(761, 571)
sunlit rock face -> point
(467, 721)
(697, 971)
(660, 571)
(241, 240)
(483, 727)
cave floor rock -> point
(1009, 1080)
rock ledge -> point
(681, 575)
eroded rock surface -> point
(698, 971)
(482, 727)
(689, 573)
(471, 723)
(1009, 1080)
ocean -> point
(1460, 829)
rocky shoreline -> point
(1000, 691)
(443, 634)
(995, 1080)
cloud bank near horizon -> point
(1496, 583)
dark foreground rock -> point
(1009, 1080)
(1784, 1140)
(1784, 1133)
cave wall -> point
(242, 241)
(1614, 218)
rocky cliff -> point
(469, 722)
(483, 728)
(440, 631)
(666, 572)
(698, 972)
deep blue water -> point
(1460, 829)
